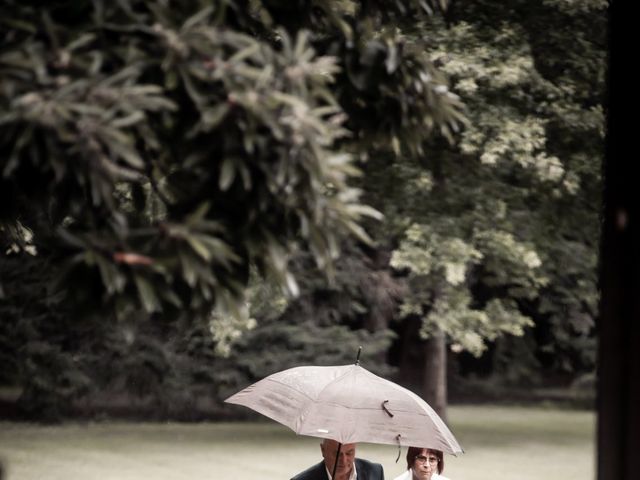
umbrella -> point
(348, 404)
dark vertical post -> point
(618, 390)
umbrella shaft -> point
(335, 464)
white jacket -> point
(407, 476)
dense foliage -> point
(179, 179)
(153, 153)
(500, 233)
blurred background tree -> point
(187, 190)
(154, 152)
(501, 231)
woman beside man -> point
(423, 464)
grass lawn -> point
(500, 443)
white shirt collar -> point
(353, 476)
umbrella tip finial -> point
(358, 356)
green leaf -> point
(212, 117)
(227, 173)
(113, 280)
(199, 247)
(147, 294)
(189, 270)
(198, 215)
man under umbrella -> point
(347, 466)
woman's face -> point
(424, 465)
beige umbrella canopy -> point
(348, 404)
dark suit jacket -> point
(365, 469)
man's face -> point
(329, 449)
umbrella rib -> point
(315, 401)
(292, 388)
(304, 393)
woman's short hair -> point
(413, 452)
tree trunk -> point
(435, 373)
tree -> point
(568, 50)
(499, 234)
(154, 152)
